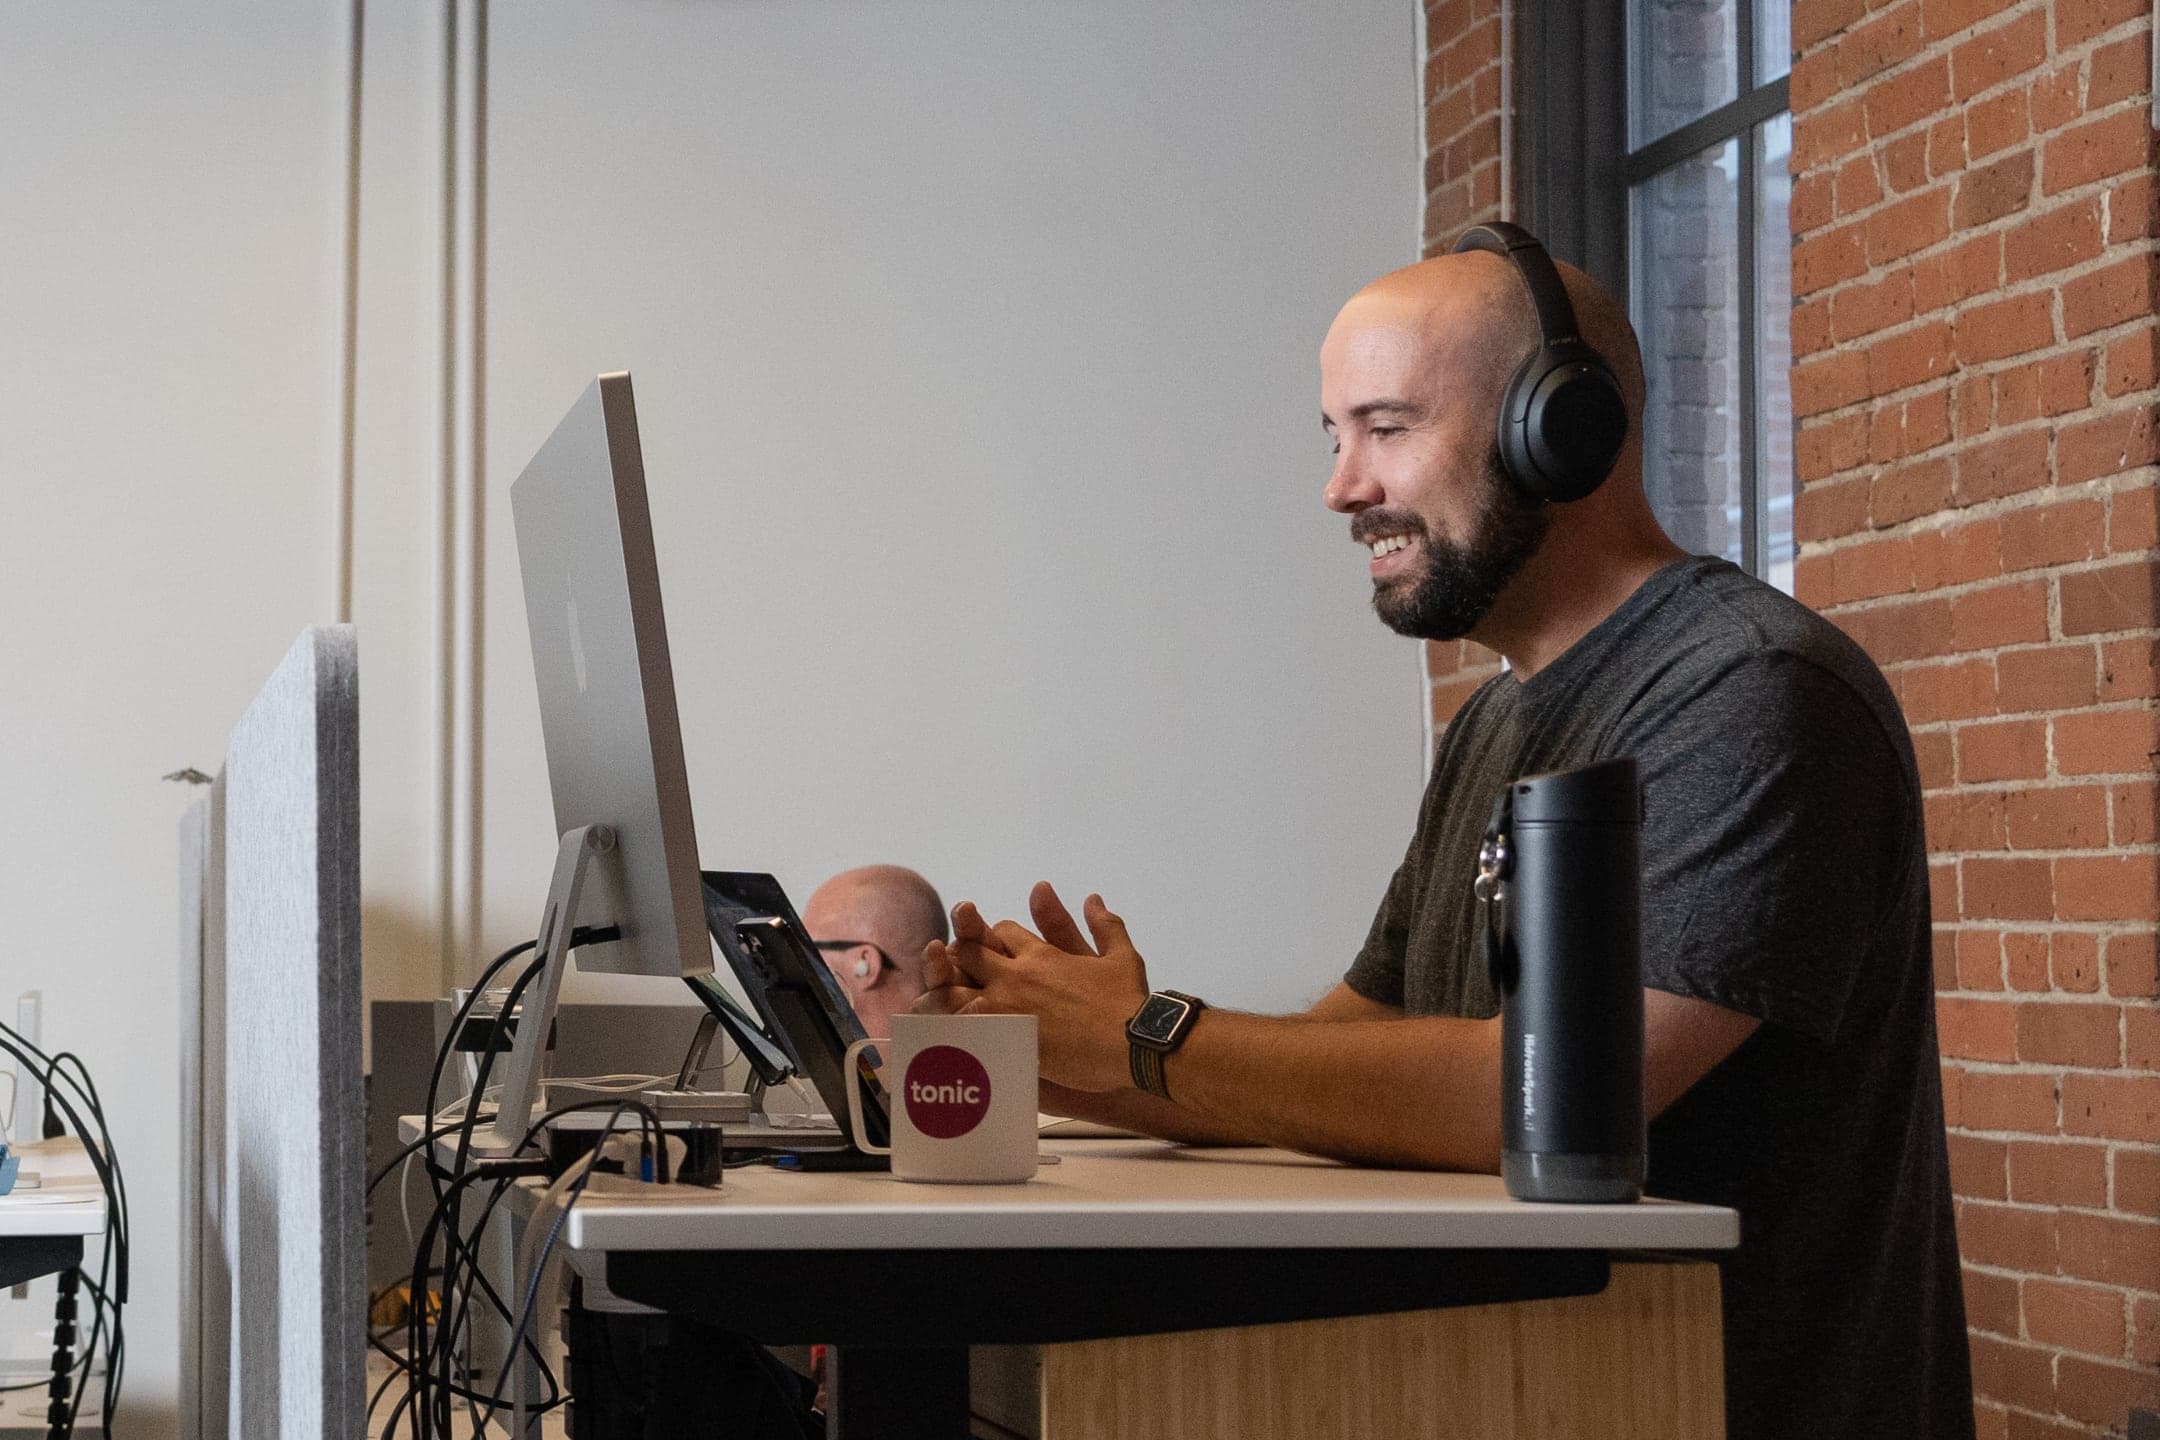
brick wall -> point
(1973, 335)
(1463, 136)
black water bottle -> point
(1560, 883)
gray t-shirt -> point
(1784, 875)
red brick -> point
(2074, 962)
(1814, 80)
(2053, 534)
(1908, 358)
(1907, 97)
(2017, 393)
(1899, 632)
(2145, 1329)
(1829, 382)
(1908, 491)
(1932, 758)
(2095, 150)
(1971, 267)
(1879, 44)
(1820, 136)
(2057, 818)
(1995, 124)
(1976, 1029)
(1905, 163)
(2137, 1181)
(1814, 20)
(1960, 690)
(1863, 309)
(2066, 382)
(1943, 17)
(2012, 614)
(2133, 362)
(1946, 146)
(2133, 521)
(2018, 1103)
(2000, 188)
(1958, 555)
(1911, 224)
(2003, 466)
(2134, 210)
(2007, 889)
(2110, 1250)
(2068, 1033)
(2137, 812)
(2108, 887)
(1448, 698)
(2102, 1394)
(2060, 677)
(2052, 99)
(1987, 60)
(2114, 597)
(2130, 669)
(2141, 1038)
(2006, 1237)
(1991, 1301)
(2125, 440)
(2065, 236)
(2077, 21)
(2017, 1425)
(1979, 1169)
(1975, 398)
(2090, 1318)
(2133, 969)
(1942, 958)
(1979, 960)
(2122, 291)
(1942, 891)
(2119, 71)
(1829, 511)
(2058, 1173)
(2119, 1107)
(2025, 961)
(2020, 1375)
(2005, 328)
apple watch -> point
(1161, 1025)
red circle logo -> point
(947, 1092)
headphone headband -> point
(1556, 315)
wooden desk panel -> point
(1643, 1359)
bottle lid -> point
(1607, 793)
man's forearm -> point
(1142, 1113)
(1422, 1092)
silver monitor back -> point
(607, 688)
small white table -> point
(1140, 1239)
(42, 1230)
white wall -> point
(170, 206)
(974, 349)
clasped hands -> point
(1082, 988)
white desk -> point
(1140, 1239)
(43, 1230)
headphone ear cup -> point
(1515, 458)
(1574, 423)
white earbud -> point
(862, 969)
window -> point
(1667, 178)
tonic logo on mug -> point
(947, 1091)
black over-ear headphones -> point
(1562, 420)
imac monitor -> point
(607, 688)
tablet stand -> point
(536, 1012)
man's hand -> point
(1082, 992)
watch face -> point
(1158, 1019)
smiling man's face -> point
(1410, 388)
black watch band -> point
(1159, 1027)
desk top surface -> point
(1128, 1194)
(68, 1199)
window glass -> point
(1773, 368)
(1684, 62)
(1684, 257)
(1773, 39)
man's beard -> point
(1462, 580)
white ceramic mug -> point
(963, 1091)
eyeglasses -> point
(835, 945)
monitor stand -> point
(536, 1010)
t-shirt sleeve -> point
(1776, 815)
(1377, 973)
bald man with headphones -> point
(1486, 410)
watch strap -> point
(1147, 1070)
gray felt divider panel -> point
(205, 1280)
(291, 1230)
